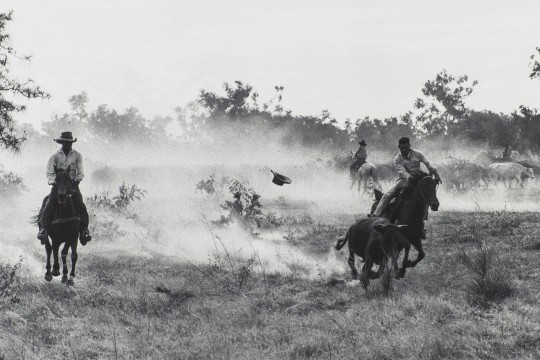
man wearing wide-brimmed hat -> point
(64, 158)
(359, 158)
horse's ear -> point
(379, 228)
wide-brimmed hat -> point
(362, 142)
(65, 137)
(280, 179)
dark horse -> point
(64, 228)
(411, 209)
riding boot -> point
(43, 235)
(84, 236)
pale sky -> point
(355, 58)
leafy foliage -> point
(245, 206)
(10, 183)
(9, 138)
(443, 103)
(211, 185)
(7, 278)
(127, 194)
(535, 65)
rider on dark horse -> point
(407, 165)
(62, 159)
(359, 158)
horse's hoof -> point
(48, 277)
(71, 282)
(64, 279)
(56, 272)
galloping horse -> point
(412, 210)
(362, 175)
(64, 228)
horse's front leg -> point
(420, 256)
(56, 264)
(48, 249)
(74, 257)
(64, 263)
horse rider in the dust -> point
(359, 158)
(407, 165)
(62, 159)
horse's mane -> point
(415, 178)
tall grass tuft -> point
(489, 283)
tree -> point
(76, 121)
(535, 65)
(10, 88)
(110, 126)
(444, 103)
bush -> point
(211, 185)
(11, 184)
(245, 207)
(7, 279)
(127, 194)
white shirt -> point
(60, 160)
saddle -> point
(391, 209)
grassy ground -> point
(158, 307)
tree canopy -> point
(11, 88)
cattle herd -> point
(457, 174)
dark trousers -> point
(52, 204)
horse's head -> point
(62, 181)
(426, 191)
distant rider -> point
(359, 158)
(407, 164)
(62, 159)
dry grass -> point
(154, 307)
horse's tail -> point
(341, 241)
(35, 219)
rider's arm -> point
(398, 165)
(50, 170)
(423, 159)
(80, 168)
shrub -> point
(211, 185)
(11, 184)
(127, 194)
(7, 279)
(489, 283)
(245, 207)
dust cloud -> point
(175, 220)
